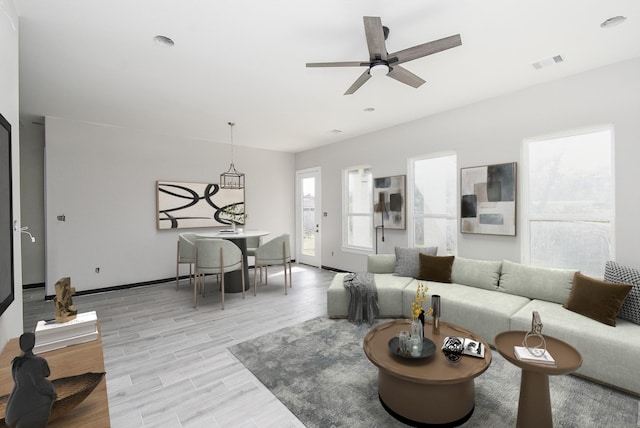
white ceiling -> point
(244, 61)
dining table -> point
(233, 280)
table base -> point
(233, 282)
(534, 406)
(419, 404)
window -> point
(435, 194)
(569, 201)
(357, 228)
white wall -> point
(491, 132)
(11, 320)
(102, 178)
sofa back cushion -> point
(614, 272)
(407, 262)
(534, 282)
(435, 268)
(597, 299)
(476, 273)
(381, 263)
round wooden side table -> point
(534, 406)
(426, 391)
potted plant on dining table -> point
(235, 214)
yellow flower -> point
(421, 297)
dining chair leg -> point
(177, 265)
(255, 285)
(222, 292)
(195, 292)
(222, 275)
(290, 277)
(243, 283)
(284, 271)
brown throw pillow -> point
(435, 268)
(596, 299)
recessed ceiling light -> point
(369, 109)
(163, 41)
(335, 131)
(612, 22)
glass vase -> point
(417, 331)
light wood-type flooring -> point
(168, 364)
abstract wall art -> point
(187, 205)
(488, 199)
(389, 202)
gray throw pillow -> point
(407, 261)
(614, 272)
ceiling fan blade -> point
(405, 76)
(375, 37)
(425, 49)
(359, 82)
(338, 64)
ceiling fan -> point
(381, 62)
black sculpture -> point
(33, 394)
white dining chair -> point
(274, 252)
(185, 254)
(217, 256)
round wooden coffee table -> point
(534, 406)
(425, 391)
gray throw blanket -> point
(364, 297)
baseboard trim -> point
(125, 286)
(30, 286)
(332, 269)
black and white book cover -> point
(470, 347)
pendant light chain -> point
(231, 125)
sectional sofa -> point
(489, 297)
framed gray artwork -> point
(183, 205)
(389, 209)
(488, 199)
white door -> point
(308, 216)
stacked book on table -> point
(540, 356)
(52, 335)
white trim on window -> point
(346, 215)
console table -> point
(70, 361)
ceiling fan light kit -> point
(379, 70)
(383, 63)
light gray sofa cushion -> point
(476, 273)
(484, 312)
(407, 261)
(389, 289)
(381, 263)
(552, 285)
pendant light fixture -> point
(232, 179)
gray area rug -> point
(319, 371)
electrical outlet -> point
(97, 270)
